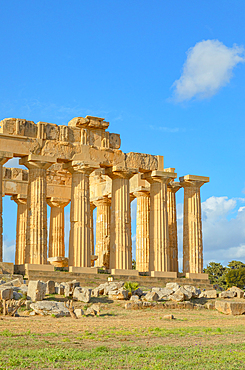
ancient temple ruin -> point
(82, 164)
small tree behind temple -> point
(236, 277)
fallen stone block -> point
(138, 292)
(228, 294)
(6, 293)
(178, 296)
(93, 310)
(79, 312)
(36, 290)
(163, 293)
(82, 294)
(135, 298)
(168, 317)
(230, 308)
(120, 294)
(151, 296)
(50, 308)
(173, 286)
(50, 287)
(239, 292)
(195, 291)
(210, 294)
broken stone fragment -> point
(50, 308)
(230, 308)
(36, 290)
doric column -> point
(57, 227)
(142, 229)
(121, 242)
(159, 235)
(4, 157)
(36, 235)
(21, 225)
(192, 224)
(92, 207)
(172, 189)
(79, 242)
(103, 231)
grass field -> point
(124, 339)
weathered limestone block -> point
(135, 298)
(120, 294)
(151, 296)
(50, 308)
(59, 289)
(192, 227)
(79, 312)
(95, 293)
(195, 291)
(138, 292)
(163, 293)
(208, 294)
(93, 310)
(228, 294)
(82, 294)
(36, 290)
(6, 293)
(50, 287)
(173, 286)
(178, 296)
(239, 292)
(230, 308)
(134, 305)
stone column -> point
(57, 227)
(142, 229)
(4, 157)
(159, 235)
(21, 225)
(92, 207)
(36, 235)
(79, 242)
(192, 224)
(121, 242)
(172, 189)
(103, 231)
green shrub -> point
(131, 286)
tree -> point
(215, 272)
(236, 265)
(236, 277)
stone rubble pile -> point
(172, 296)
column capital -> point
(116, 172)
(173, 186)
(159, 176)
(58, 202)
(19, 198)
(86, 167)
(102, 201)
(142, 191)
(33, 161)
(4, 157)
(193, 181)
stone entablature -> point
(81, 163)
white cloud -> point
(208, 67)
(8, 250)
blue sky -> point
(120, 60)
